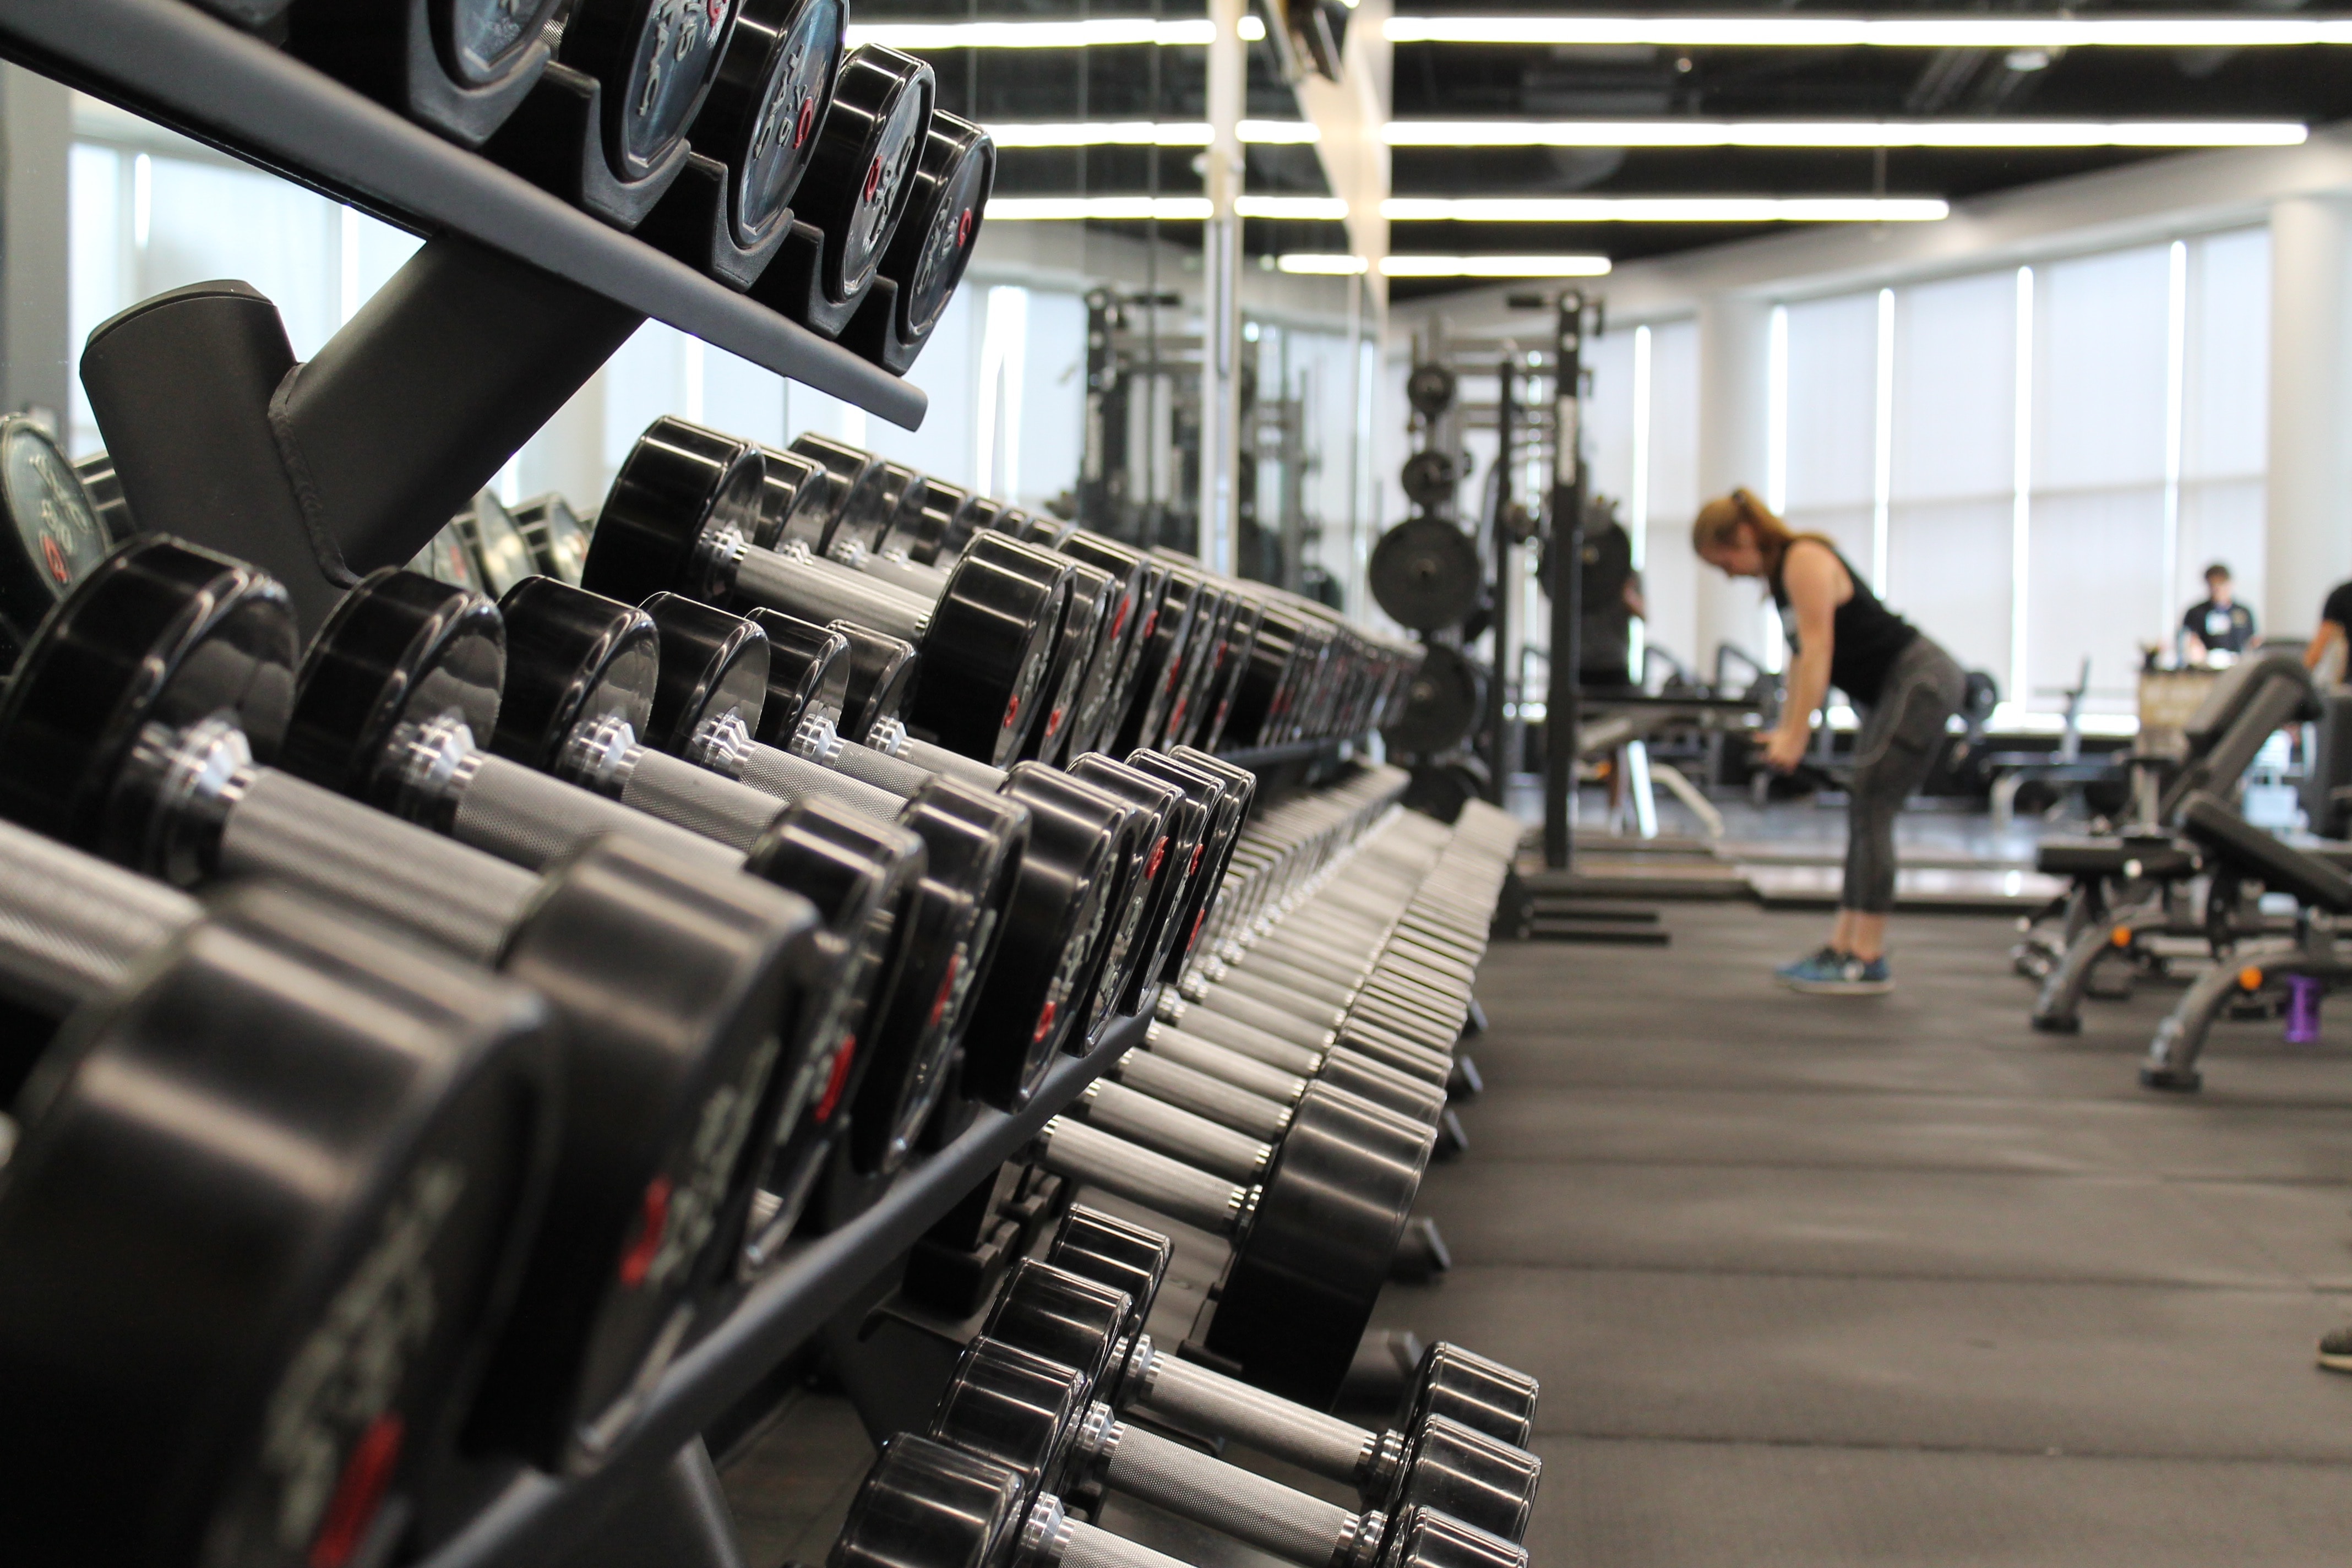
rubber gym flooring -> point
(1826, 1282)
(1898, 1281)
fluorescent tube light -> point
(1105, 32)
(1957, 32)
(1661, 209)
(1323, 265)
(1143, 134)
(1841, 133)
(1494, 265)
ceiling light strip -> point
(1109, 31)
(1841, 133)
(1980, 32)
(1143, 134)
(1661, 209)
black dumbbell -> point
(1085, 1304)
(681, 515)
(275, 1179)
(860, 179)
(130, 729)
(953, 175)
(1306, 1271)
(55, 535)
(558, 539)
(926, 1504)
(460, 67)
(1041, 1418)
(403, 675)
(716, 669)
(754, 138)
(1169, 644)
(657, 60)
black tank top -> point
(1867, 634)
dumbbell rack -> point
(540, 1518)
(171, 62)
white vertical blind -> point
(1953, 436)
(2098, 545)
(1832, 422)
(2225, 425)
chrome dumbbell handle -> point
(1155, 1123)
(531, 819)
(776, 772)
(1050, 1538)
(1231, 1501)
(819, 591)
(1182, 1192)
(891, 738)
(317, 841)
(71, 926)
(1220, 1099)
(1194, 1396)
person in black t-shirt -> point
(2335, 626)
(2218, 624)
(1612, 600)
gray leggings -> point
(1901, 733)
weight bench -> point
(2295, 970)
(2097, 925)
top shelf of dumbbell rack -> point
(171, 62)
(539, 1519)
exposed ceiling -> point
(1637, 81)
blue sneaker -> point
(1829, 973)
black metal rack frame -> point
(171, 62)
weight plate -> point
(1483, 1394)
(55, 533)
(1220, 830)
(400, 651)
(1468, 1475)
(498, 543)
(481, 40)
(927, 255)
(1443, 704)
(1430, 478)
(1058, 908)
(104, 488)
(680, 483)
(1068, 1318)
(160, 636)
(974, 845)
(765, 104)
(934, 525)
(558, 539)
(1161, 666)
(656, 59)
(713, 666)
(1425, 1538)
(1429, 389)
(882, 670)
(1005, 1403)
(1078, 641)
(862, 876)
(1143, 861)
(792, 493)
(1425, 573)
(850, 474)
(986, 651)
(925, 1504)
(808, 674)
(1315, 1253)
(1234, 661)
(857, 184)
(1172, 864)
(267, 1207)
(1112, 1252)
(676, 982)
(448, 558)
(572, 656)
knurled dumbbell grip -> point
(884, 771)
(1195, 1140)
(1180, 1191)
(1249, 1074)
(530, 818)
(317, 841)
(704, 803)
(1194, 1396)
(821, 590)
(953, 764)
(1165, 1078)
(775, 772)
(71, 926)
(1227, 1499)
(1083, 1545)
(1245, 1041)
